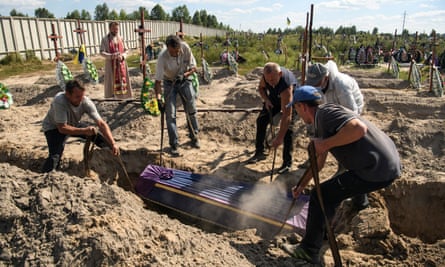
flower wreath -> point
(5, 97)
(63, 74)
(90, 70)
(148, 98)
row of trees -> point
(103, 12)
(328, 31)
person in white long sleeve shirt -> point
(338, 88)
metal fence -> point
(23, 35)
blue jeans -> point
(187, 94)
(333, 191)
(56, 145)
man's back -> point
(343, 89)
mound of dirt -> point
(64, 218)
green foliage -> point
(196, 20)
(12, 58)
(73, 15)
(43, 13)
(14, 64)
(85, 15)
(82, 15)
(181, 12)
(15, 13)
(158, 13)
(123, 15)
(251, 47)
(101, 12)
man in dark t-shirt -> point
(368, 154)
(275, 88)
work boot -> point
(299, 253)
(195, 143)
(360, 202)
(304, 165)
(259, 156)
(284, 168)
(174, 150)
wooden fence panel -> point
(21, 34)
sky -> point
(420, 16)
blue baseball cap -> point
(305, 93)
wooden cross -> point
(180, 33)
(80, 31)
(141, 30)
(54, 38)
(433, 54)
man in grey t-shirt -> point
(368, 154)
(63, 120)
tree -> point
(101, 12)
(15, 13)
(203, 17)
(375, 31)
(158, 13)
(123, 15)
(196, 20)
(133, 16)
(85, 15)
(212, 22)
(146, 14)
(113, 15)
(73, 15)
(43, 13)
(181, 12)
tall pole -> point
(392, 49)
(180, 33)
(433, 48)
(202, 52)
(310, 33)
(305, 56)
(141, 30)
(403, 24)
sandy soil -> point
(66, 219)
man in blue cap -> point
(369, 155)
(341, 89)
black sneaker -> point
(283, 169)
(299, 253)
(257, 157)
(304, 165)
(360, 202)
(174, 151)
(196, 144)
